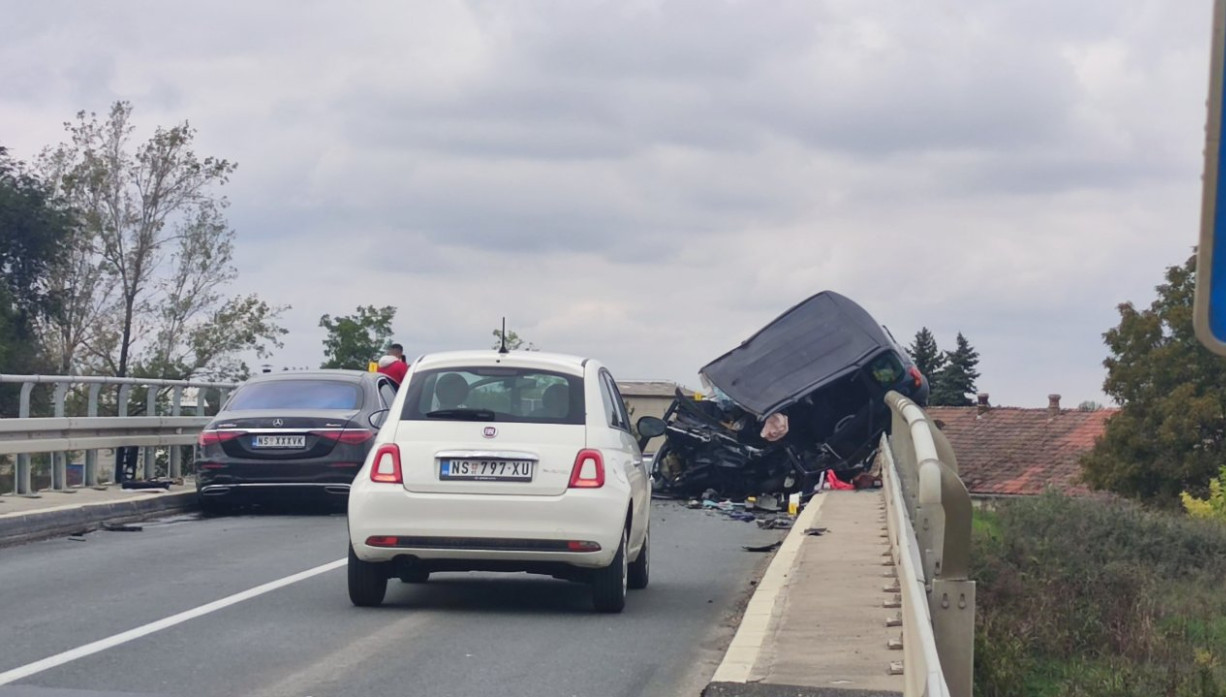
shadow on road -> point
(487, 593)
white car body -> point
(564, 520)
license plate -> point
(279, 442)
(486, 470)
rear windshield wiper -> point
(462, 414)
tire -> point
(609, 583)
(367, 581)
(640, 569)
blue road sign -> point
(1210, 306)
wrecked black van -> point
(803, 395)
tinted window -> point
(297, 394)
(614, 405)
(620, 403)
(387, 391)
(523, 395)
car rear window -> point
(494, 393)
(887, 369)
(297, 394)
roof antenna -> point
(503, 336)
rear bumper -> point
(338, 489)
(211, 474)
(458, 532)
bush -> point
(1097, 597)
(1213, 507)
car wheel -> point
(367, 581)
(640, 569)
(609, 583)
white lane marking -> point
(144, 630)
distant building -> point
(1010, 451)
(649, 398)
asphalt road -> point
(66, 605)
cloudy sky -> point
(650, 182)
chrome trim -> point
(226, 487)
(305, 429)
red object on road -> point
(834, 482)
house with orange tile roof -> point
(1011, 451)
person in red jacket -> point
(394, 368)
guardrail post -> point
(90, 477)
(150, 453)
(21, 477)
(125, 390)
(952, 606)
(59, 461)
(176, 452)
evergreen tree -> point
(928, 358)
(954, 383)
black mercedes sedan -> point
(290, 436)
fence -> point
(928, 513)
(59, 435)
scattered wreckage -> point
(803, 396)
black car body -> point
(825, 365)
(291, 434)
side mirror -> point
(651, 426)
(378, 418)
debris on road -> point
(803, 396)
(121, 527)
(763, 548)
(149, 484)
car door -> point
(630, 458)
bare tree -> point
(143, 289)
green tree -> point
(928, 358)
(514, 342)
(954, 383)
(1170, 433)
(355, 340)
(141, 291)
(33, 229)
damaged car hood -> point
(813, 343)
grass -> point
(1080, 597)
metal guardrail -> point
(61, 435)
(929, 523)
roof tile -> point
(1014, 451)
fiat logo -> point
(277, 423)
(490, 432)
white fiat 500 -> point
(493, 461)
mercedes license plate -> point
(279, 442)
(486, 470)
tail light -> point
(348, 436)
(386, 468)
(212, 437)
(589, 470)
(916, 376)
